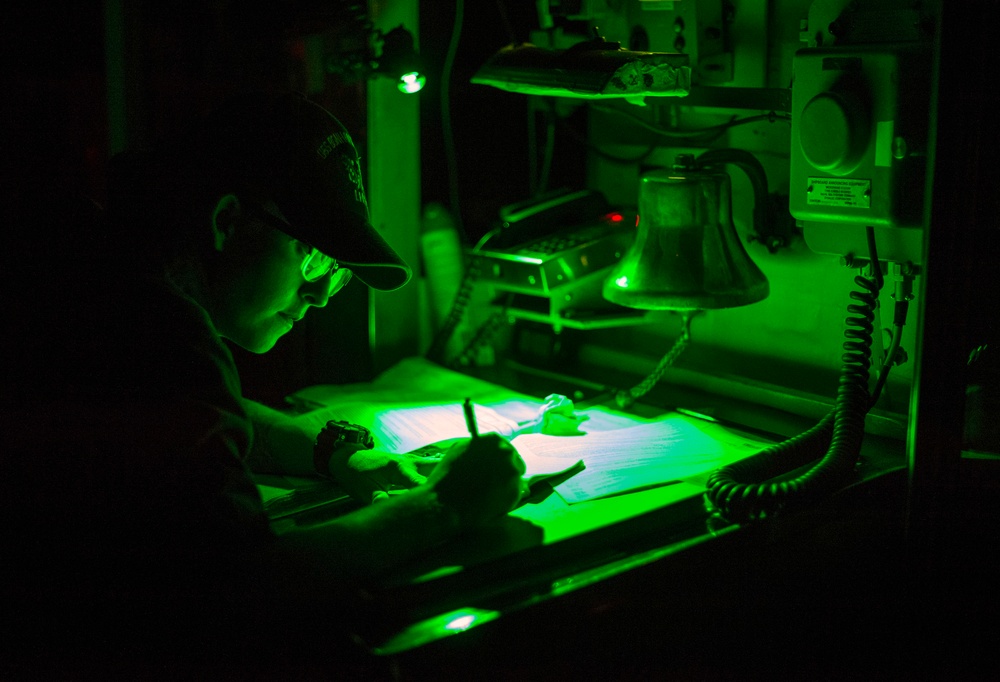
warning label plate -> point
(844, 192)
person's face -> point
(256, 288)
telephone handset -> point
(554, 240)
(548, 253)
(538, 217)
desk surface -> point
(542, 551)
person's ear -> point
(224, 218)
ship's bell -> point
(687, 254)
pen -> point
(470, 418)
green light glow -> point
(461, 623)
(622, 282)
(451, 623)
(411, 82)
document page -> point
(416, 404)
(406, 427)
(403, 427)
(673, 448)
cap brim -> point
(316, 181)
(316, 213)
(371, 259)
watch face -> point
(345, 432)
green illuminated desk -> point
(551, 564)
(542, 551)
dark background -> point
(191, 55)
(184, 58)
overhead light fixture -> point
(593, 69)
(390, 54)
(411, 81)
(399, 60)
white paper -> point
(402, 427)
(673, 448)
(417, 403)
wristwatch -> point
(335, 435)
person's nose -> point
(317, 293)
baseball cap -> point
(304, 160)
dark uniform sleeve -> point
(133, 513)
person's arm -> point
(372, 539)
(280, 445)
(477, 481)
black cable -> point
(439, 344)
(873, 255)
(548, 152)
(890, 359)
(483, 335)
(582, 139)
(440, 341)
(451, 158)
(460, 302)
(625, 160)
(695, 132)
(532, 149)
(744, 491)
(699, 135)
(508, 27)
(436, 352)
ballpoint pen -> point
(470, 418)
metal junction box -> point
(859, 141)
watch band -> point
(337, 434)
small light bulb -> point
(411, 82)
(460, 623)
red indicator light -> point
(637, 221)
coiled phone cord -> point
(436, 352)
(743, 491)
(482, 336)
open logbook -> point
(418, 405)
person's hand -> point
(369, 475)
(556, 417)
(479, 479)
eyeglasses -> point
(316, 264)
